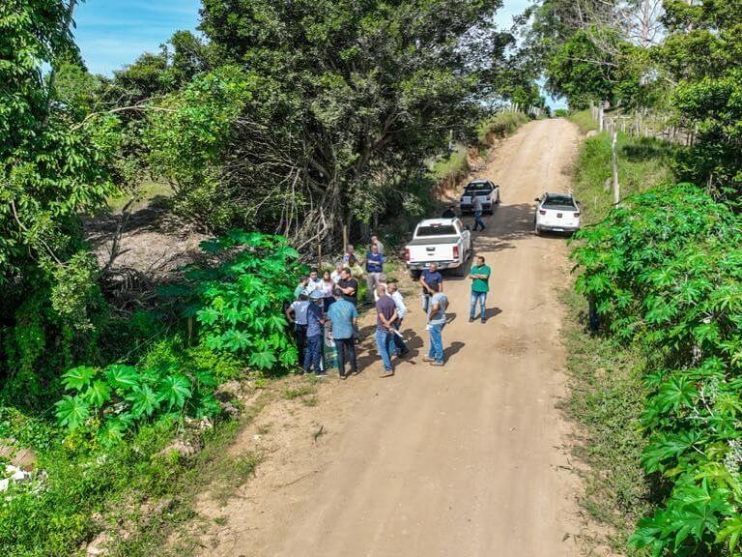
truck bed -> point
(434, 240)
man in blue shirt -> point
(374, 269)
(432, 281)
(313, 355)
(343, 315)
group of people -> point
(332, 300)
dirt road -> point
(461, 461)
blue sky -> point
(113, 33)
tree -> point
(702, 53)
(347, 98)
(54, 164)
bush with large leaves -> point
(665, 271)
(240, 300)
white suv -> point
(557, 212)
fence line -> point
(641, 124)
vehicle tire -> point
(460, 271)
(415, 275)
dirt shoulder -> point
(466, 460)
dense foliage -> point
(343, 100)
(671, 57)
(240, 302)
(665, 272)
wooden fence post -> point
(614, 166)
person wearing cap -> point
(315, 323)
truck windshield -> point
(436, 230)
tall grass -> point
(584, 120)
(642, 163)
(498, 126)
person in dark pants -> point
(343, 316)
(449, 213)
(296, 313)
(313, 354)
(348, 286)
(432, 281)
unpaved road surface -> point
(467, 460)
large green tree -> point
(702, 53)
(345, 100)
(54, 164)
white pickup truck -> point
(446, 242)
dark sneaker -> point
(471, 320)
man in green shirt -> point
(480, 276)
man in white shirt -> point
(314, 283)
(375, 241)
(335, 275)
(400, 348)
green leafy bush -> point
(240, 299)
(665, 272)
(120, 396)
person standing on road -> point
(375, 241)
(436, 322)
(400, 348)
(313, 355)
(327, 288)
(337, 272)
(313, 282)
(477, 205)
(432, 281)
(348, 286)
(386, 316)
(349, 258)
(374, 269)
(344, 316)
(480, 276)
(301, 288)
(296, 313)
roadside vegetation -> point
(271, 134)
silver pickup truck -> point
(446, 242)
(487, 192)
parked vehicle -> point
(557, 212)
(487, 192)
(446, 242)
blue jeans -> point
(478, 220)
(436, 342)
(477, 298)
(313, 355)
(384, 346)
